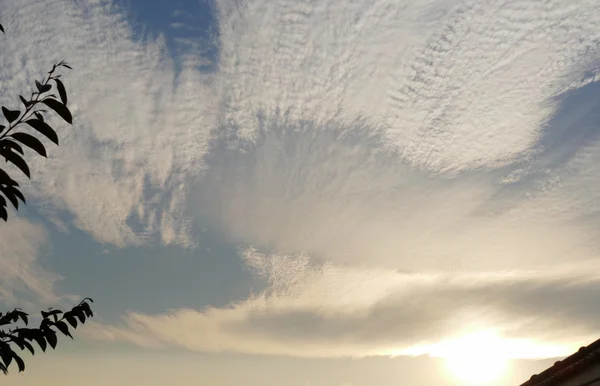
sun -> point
(476, 370)
(476, 359)
(483, 357)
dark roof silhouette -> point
(570, 366)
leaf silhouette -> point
(3, 213)
(61, 90)
(11, 196)
(43, 128)
(71, 319)
(16, 160)
(31, 142)
(22, 314)
(20, 363)
(38, 336)
(13, 145)
(62, 326)
(6, 353)
(20, 196)
(42, 88)
(87, 310)
(80, 314)
(5, 179)
(29, 347)
(25, 101)
(60, 109)
(11, 115)
(51, 337)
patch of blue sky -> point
(189, 27)
(149, 279)
(570, 129)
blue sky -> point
(189, 27)
(327, 192)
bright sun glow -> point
(476, 359)
(482, 358)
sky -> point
(302, 192)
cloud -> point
(463, 85)
(402, 260)
(368, 255)
(337, 191)
(450, 165)
(139, 128)
(22, 278)
(328, 311)
(325, 62)
(403, 212)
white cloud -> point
(458, 86)
(336, 191)
(463, 84)
(138, 128)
